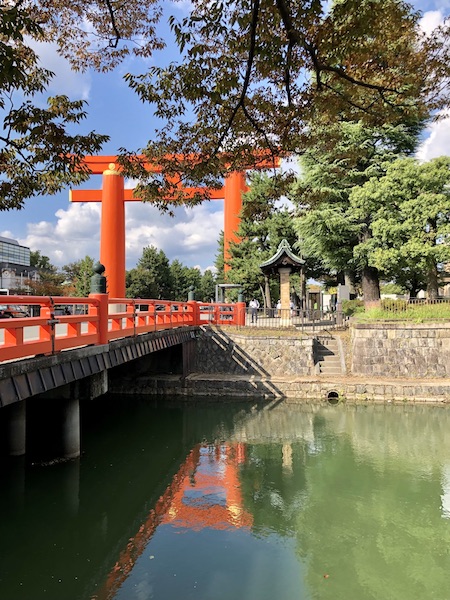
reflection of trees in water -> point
(415, 435)
(273, 492)
(277, 423)
(377, 534)
(361, 493)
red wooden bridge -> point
(69, 322)
(67, 350)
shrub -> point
(391, 288)
(352, 307)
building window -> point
(12, 253)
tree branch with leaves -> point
(40, 149)
(252, 75)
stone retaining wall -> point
(390, 363)
(221, 352)
(401, 350)
(294, 390)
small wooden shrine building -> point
(284, 262)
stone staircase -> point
(327, 356)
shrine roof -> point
(284, 257)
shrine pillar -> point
(234, 187)
(112, 234)
(285, 295)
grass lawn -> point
(417, 313)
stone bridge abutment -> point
(40, 396)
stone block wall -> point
(400, 350)
(234, 354)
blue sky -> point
(68, 232)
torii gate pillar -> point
(234, 187)
(112, 232)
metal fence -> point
(398, 306)
(306, 320)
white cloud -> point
(431, 20)
(73, 235)
(71, 83)
(190, 237)
(437, 142)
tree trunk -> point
(432, 275)
(432, 282)
(414, 287)
(370, 285)
(349, 279)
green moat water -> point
(234, 502)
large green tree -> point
(329, 226)
(40, 261)
(79, 275)
(263, 225)
(207, 288)
(219, 262)
(183, 278)
(409, 211)
(155, 277)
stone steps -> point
(327, 356)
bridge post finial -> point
(98, 280)
(101, 310)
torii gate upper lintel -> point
(113, 196)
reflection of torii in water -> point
(113, 196)
(189, 502)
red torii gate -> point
(113, 196)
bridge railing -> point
(61, 323)
(132, 317)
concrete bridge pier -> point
(16, 429)
(55, 421)
(70, 428)
(53, 426)
(47, 428)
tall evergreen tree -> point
(151, 277)
(183, 278)
(261, 230)
(219, 262)
(207, 288)
(409, 211)
(328, 228)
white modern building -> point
(15, 267)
